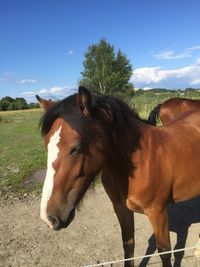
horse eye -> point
(76, 150)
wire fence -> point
(143, 257)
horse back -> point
(173, 107)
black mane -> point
(122, 125)
(124, 133)
(68, 110)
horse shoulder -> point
(149, 183)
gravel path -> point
(93, 236)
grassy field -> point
(145, 102)
(21, 145)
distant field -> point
(21, 146)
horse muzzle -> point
(58, 224)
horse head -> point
(76, 150)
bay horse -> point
(172, 108)
(142, 167)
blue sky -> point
(42, 43)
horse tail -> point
(153, 116)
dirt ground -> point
(94, 235)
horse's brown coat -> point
(172, 109)
(160, 165)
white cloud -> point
(70, 52)
(56, 89)
(52, 91)
(196, 47)
(146, 75)
(196, 82)
(198, 61)
(158, 77)
(28, 93)
(43, 91)
(27, 81)
(171, 54)
(55, 93)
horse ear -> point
(84, 100)
(46, 104)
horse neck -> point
(122, 128)
(123, 144)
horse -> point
(142, 167)
(171, 109)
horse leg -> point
(159, 222)
(126, 220)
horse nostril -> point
(55, 221)
(52, 219)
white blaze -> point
(53, 152)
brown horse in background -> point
(143, 167)
(171, 109)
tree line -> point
(18, 103)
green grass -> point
(21, 147)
